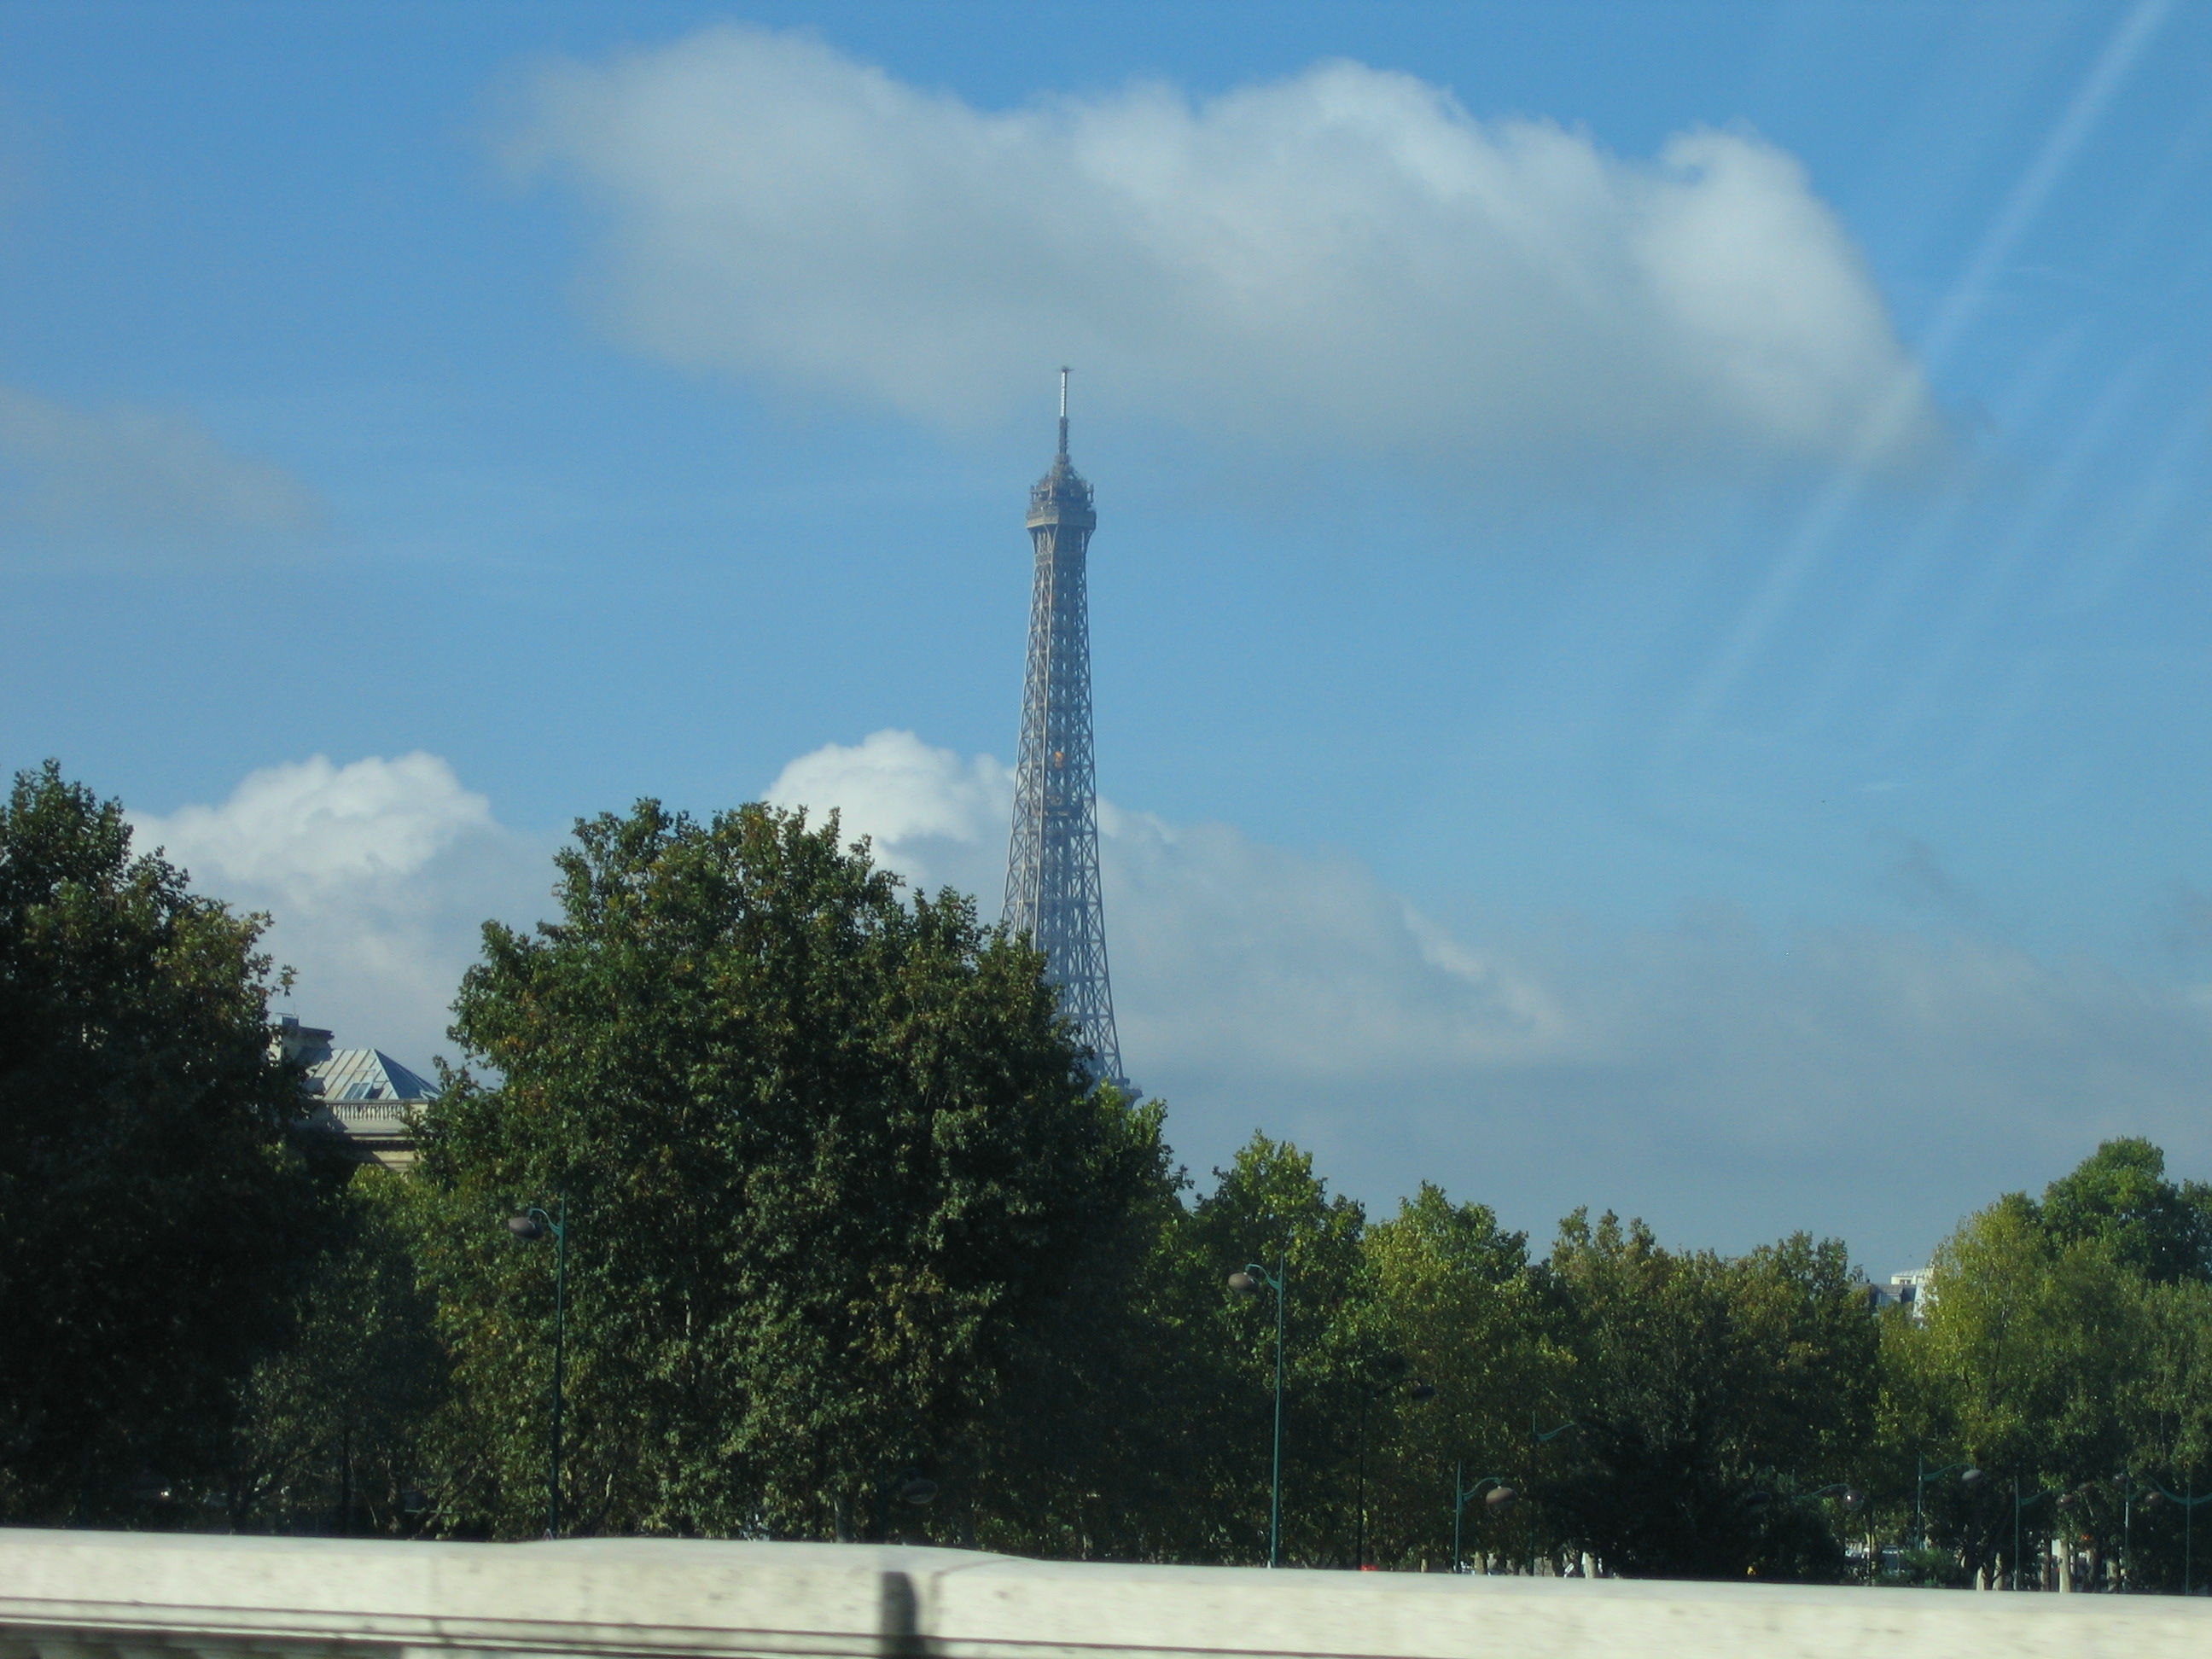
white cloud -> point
(1726, 1082)
(1345, 259)
(313, 826)
(377, 875)
(894, 788)
(135, 481)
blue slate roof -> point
(366, 1074)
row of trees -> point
(855, 1249)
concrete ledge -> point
(147, 1596)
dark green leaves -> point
(830, 1158)
(152, 1224)
(1709, 1390)
(2120, 1197)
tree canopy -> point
(2067, 1350)
(856, 1248)
(2119, 1197)
(1707, 1390)
(827, 1154)
(152, 1223)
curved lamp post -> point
(2127, 1579)
(1852, 1501)
(532, 1225)
(2188, 1504)
(2063, 1498)
(1969, 1477)
(1852, 1498)
(1542, 1438)
(916, 1491)
(1248, 1282)
(2018, 1505)
(1502, 1497)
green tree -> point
(2028, 1341)
(1098, 1446)
(1916, 1432)
(1460, 1305)
(1714, 1394)
(329, 1430)
(2119, 1197)
(828, 1156)
(1269, 1207)
(152, 1223)
(2063, 1350)
(2171, 1413)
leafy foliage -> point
(2120, 1198)
(152, 1224)
(1269, 1209)
(827, 1156)
(328, 1431)
(849, 1226)
(1706, 1389)
(2065, 1356)
(1460, 1306)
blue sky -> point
(1647, 611)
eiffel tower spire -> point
(1052, 860)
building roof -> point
(346, 1073)
(366, 1074)
(361, 1095)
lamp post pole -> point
(2188, 1500)
(2127, 1533)
(1462, 1493)
(1922, 1475)
(2018, 1505)
(1359, 1538)
(1248, 1282)
(534, 1223)
(1853, 1501)
(1542, 1438)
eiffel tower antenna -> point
(1052, 858)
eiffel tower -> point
(1052, 861)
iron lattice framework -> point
(1052, 861)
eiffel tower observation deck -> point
(1052, 861)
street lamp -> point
(1970, 1477)
(1497, 1501)
(2127, 1579)
(1852, 1501)
(2018, 1505)
(916, 1491)
(1542, 1438)
(1248, 1282)
(532, 1225)
(2188, 1504)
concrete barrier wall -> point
(141, 1596)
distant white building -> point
(361, 1094)
(1914, 1292)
